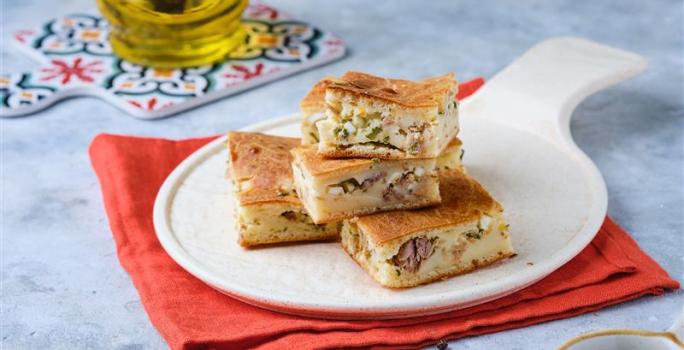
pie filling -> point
(436, 251)
(357, 121)
(273, 222)
(369, 191)
(260, 221)
(309, 128)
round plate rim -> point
(490, 291)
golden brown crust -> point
(335, 217)
(278, 241)
(385, 153)
(367, 152)
(317, 165)
(314, 101)
(429, 92)
(463, 200)
(455, 142)
(262, 161)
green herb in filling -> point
(413, 149)
(340, 130)
(349, 185)
(480, 229)
(290, 215)
(386, 139)
(462, 153)
(374, 133)
(474, 234)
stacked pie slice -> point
(379, 166)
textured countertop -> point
(63, 287)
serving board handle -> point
(677, 327)
(539, 90)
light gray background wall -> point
(63, 288)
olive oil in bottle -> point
(174, 33)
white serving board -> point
(515, 131)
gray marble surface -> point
(63, 288)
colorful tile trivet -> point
(77, 60)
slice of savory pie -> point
(452, 156)
(266, 206)
(373, 117)
(467, 231)
(333, 189)
(312, 108)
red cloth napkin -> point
(192, 315)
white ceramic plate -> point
(515, 133)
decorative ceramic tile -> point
(76, 59)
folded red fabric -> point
(192, 315)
